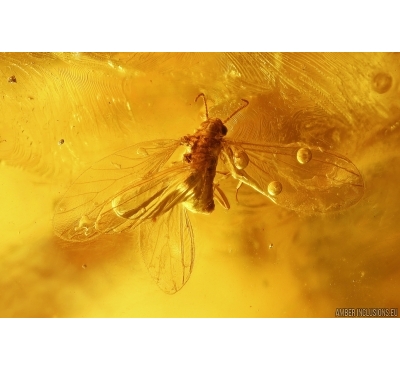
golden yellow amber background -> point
(62, 112)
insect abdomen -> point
(203, 159)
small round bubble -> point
(304, 155)
(382, 82)
(274, 188)
(240, 160)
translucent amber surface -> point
(60, 113)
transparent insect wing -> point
(147, 199)
(90, 206)
(295, 176)
(167, 246)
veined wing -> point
(296, 176)
(167, 246)
(122, 190)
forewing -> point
(138, 176)
(167, 246)
(311, 179)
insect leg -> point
(221, 197)
(237, 190)
(224, 176)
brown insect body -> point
(204, 150)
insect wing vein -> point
(77, 214)
(323, 182)
(167, 246)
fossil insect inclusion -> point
(148, 187)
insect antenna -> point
(205, 102)
(237, 110)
